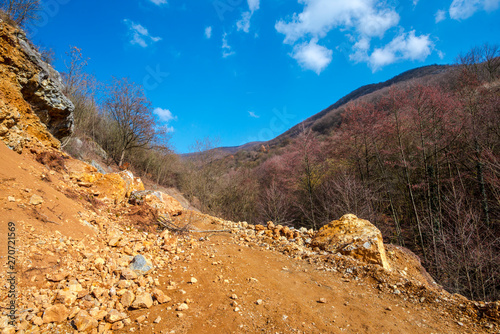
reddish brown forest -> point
(422, 162)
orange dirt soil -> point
(242, 284)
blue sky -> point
(245, 70)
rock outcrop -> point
(112, 187)
(354, 237)
(158, 200)
(32, 105)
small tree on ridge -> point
(132, 117)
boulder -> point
(111, 187)
(132, 183)
(140, 265)
(158, 200)
(353, 237)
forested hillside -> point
(420, 159)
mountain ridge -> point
(330, 111)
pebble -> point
(83, 321)
(115, 315)
(144, 300)
(182, 307)
(55, 313)
(36, 200)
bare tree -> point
(21, 11)
(482, 61)
(75, 76)
(132, 117)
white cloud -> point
(164, 115)
(440, 16)
(312, 56)
(140, 35)
(252, 114)
(463, 9)
(253, 5)
(159, 2)
(320, 16)
(208, 32)
(405, 46)
(362, 20)
(244, 23)
(226, 49)
(360, 49)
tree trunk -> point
(122, 156)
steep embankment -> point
(88, 255)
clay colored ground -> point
(242, 284)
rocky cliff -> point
(33, 109)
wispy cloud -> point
(165, 116)
(244, 23)
(440, 16)
(208, 32)
(252, 114)
(159, 2)
(226, 48)
(463, 9)
(140, 35)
